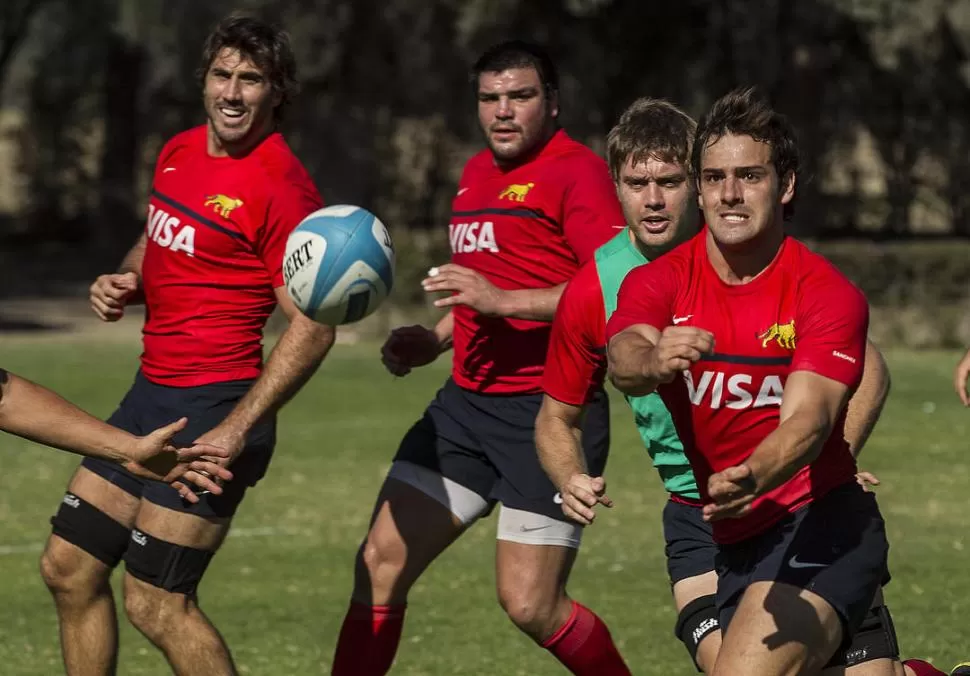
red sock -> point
(921, 668)
(585, 647)
(368, 640)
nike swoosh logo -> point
(527, 529)
(461, 192)
(168, 169)
(618, 227)
(681, 320)
(793, 562)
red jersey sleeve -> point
(646, 297)
(830, 329)
(293, 201)
(576, 360)
(591, 210)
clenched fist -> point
(677, 349)
(110, 293)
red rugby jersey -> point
(801, 313)
(529, 227)
(217, 230)
(576, 363)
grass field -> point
(279, 588)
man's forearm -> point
(294, 359)
(865, 406)
(444, 330)
(132, 262)
(35, 413)
(794, 444)
(628, 352)
(535, 304)
(560, 454)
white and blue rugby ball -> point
(339, 264)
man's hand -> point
(960, 377)
(110, 293)
(409, 347)
(866, 479)
(230, 439)
(154, 457)
(580, 494)
(732, 491)
(677, 349)
(467, 287)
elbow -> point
(631, 384)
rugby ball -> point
(339, 264)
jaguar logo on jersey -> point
(222, 204)
(516, 192)
(472, 237)
(783, 334)
(737, 391)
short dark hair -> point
(747, 112)
(265, 45)
(650, 128)
(517, 54)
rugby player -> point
(224, 199)
(648, 153)
(529, 210)
(755, 344)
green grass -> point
(278, 590)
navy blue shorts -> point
(148, 406)
(835, 547)
(486, 443)
(690, 547)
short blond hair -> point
(650, 128)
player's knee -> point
(531, 610)
(381, 560)
(155, 612)
(68, 571)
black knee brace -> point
(85, 526)
(165, 565)
(876, 639)
(698, 619)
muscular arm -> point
(810, 406)
(535, 304)
(628, 354)
(132, 262)
(444, 330)
(866, 404)
(294, 359)
(35, 413)
(557, 430)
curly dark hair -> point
(265, 45)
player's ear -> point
(553, 102)
(788, 188)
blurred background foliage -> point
(878, 89)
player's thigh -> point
(441, 455)
(778, 629)
(170, 550)
(531, 577)
(90, 530)
(91, 527)
(531, 505)
(690, 552)
(874, 650)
